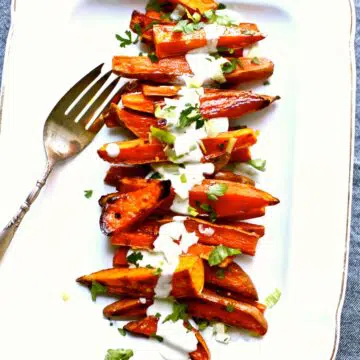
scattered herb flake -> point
(152, 56)
(220, 253)
(229, 67)
(183, 178)
(154, 5)
(187, 27)
(156, 175)
(126, 41)
(272, 299)
(266, 82)
(221, 6)
(192, 211)
(97, 289)
(88, 193)
(122, 331)
(230, 308)
(255, 60)
(179, 313)
(140, 53)
(215, 191)
(134, 258)
(138, 30)
(162, 135)
(258, 164)
(158, 315)
(203, 324)
(157, 272)
(119, 354)
(157, 337)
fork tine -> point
(86, 98)
(96, 126)
(84, 120)
(76, 90)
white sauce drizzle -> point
(112, 150)
(206, 231)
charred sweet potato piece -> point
(245, 215)
(116, 173)
(204, 252)
(119, 258)
(137, 122)
(143, 236)
(148, 327)
(187, 281)
(218, 103)
(132, 207)
(208, 305)
(232, 278)
(141, 152)
(230, 176)
(169, 43)
(197, 5)
(135, 152)
(127, 307)
(162, 90)
(237, 198)
(170, 70)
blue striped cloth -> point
(350, 322)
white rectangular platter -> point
(306, 138)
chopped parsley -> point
(187, 27)
(179, 313)
(189, 115)
(203, 324)
(266, 82)
(157, 337)
(255, 60)
(230, 66)
(148, 27)
(122, 331)
(157, 272)
(192, 211)
(208, 209)
(230, 308)
(220, 253)
(127, 40)
(273, 298)
(140, 53)
(220, 274)
(215, 191)
(97, 289)
(221, 6)
(258, 164)
(162, 135)
(119, 354)
(88, 193)
(156, 175)
(225, 49)
(183, 178)
(213, 18)
(134, 258)
(138, 30)
(152, 56)
(158, 315)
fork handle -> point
(7, 234)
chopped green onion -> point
(216, 190)
(258, 164)
(220, 253)
(255, 60)
(229, 67)
(153, 57)
(192, 211)
(183, 178)
(122, 331)
(119, 354)
(162, 135)
(272, 299)
(97, 289)
(179, 313)
(88, 193)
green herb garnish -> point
(119, 354)
(258, 164)
(157, 337)
(229, 67)
(179, 312)
(156, 175)
(229, 308)
(221, 6)
(203, 324)
(154, 5)
(88, 193)
(122, 331)
(183, 178)
(152, 56)
(208, 209)
(225, 49)
(215, 191)
(220, 253)
(158, 315)
(162, 135)
(273, 298)
(157, 272)
(255, 60)
(192, 211)
(138, 30)
(97, 289)
(127, 40)
(187, 27)
(134, 258)
(189, 115)
(219, 19)
(220, 273)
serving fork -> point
(64, 137)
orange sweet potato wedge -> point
(116, 173)
(161, 90)
(169, 43)
(187, 281)
(127, 307)
(170, 70)
(139, 151)
(236, 199)
(124, 210)
(148, 327)
(204, 251)
(211, 306)
(230, 176)
(144, 235)
(119, 259)
(213, 104)
(232, 278)
(240, 155)
(197, 5)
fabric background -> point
(350, 322)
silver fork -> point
(63, 137)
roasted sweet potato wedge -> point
(143, 236)
(230, 176)
(161, 90)
(212, 306)
(170, 70)
(169, 43)
(237, 198)
(187, 281)
(240, 155)
(124, 210)
(140, 151)
(116, 173)
(148, 327)
(127, 307)
(197, 5)
(232, 278)
(204, 252)
(119, 259)
(213, 104)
